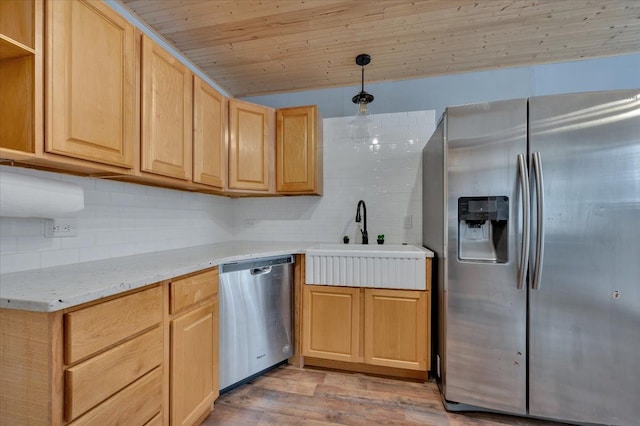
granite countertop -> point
(60, 287)
(53, 289)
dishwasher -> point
(255, 318)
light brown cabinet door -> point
(194, 363)
(209, 135)
(249, 146)
(396, 328)
(331, 322)
(90, 73)
(298, 151)
(166, 113)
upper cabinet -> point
(166, 113)
(90, 105)
(83, 91)
(21, 23)
(209, 135)
(90, 78)
(299, 151)
(17, 31)
(251, 144)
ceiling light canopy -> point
(363, 98)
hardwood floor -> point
(294, 396)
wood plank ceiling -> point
(269, 46)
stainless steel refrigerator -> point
(532, 207)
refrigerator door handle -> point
(526, 221)
(537, 168)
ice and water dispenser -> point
(483, 229)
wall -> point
(617, 72)
(119, 219)
(387, 176)
(352, 175)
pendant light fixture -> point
(363, 98)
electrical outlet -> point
(61, 227)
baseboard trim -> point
(366, 368)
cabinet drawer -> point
(194, 289)
(92, 329)
(94, 380)
(134, 405)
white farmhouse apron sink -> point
(363, 265)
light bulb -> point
(362, 109)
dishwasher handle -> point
(261, 271)
(257, 266)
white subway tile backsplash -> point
(29, 243)
(94, 197)
(113, 237)
(118, 219)
(121, 219)
(13, 262)
(128, 249)
(59, 257)
(106, 185)
(88, 254)
(8, 244)
(387, 176)
(135, 189)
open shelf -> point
(10, 48)
(20, 68)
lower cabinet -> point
(113, 352)
(144, 358)
(377, 327)
(101, 363)
(137, 404)
(99, 378)
(331, 321)
(395, 328)
(194, 347)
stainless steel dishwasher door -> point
(255, 317)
